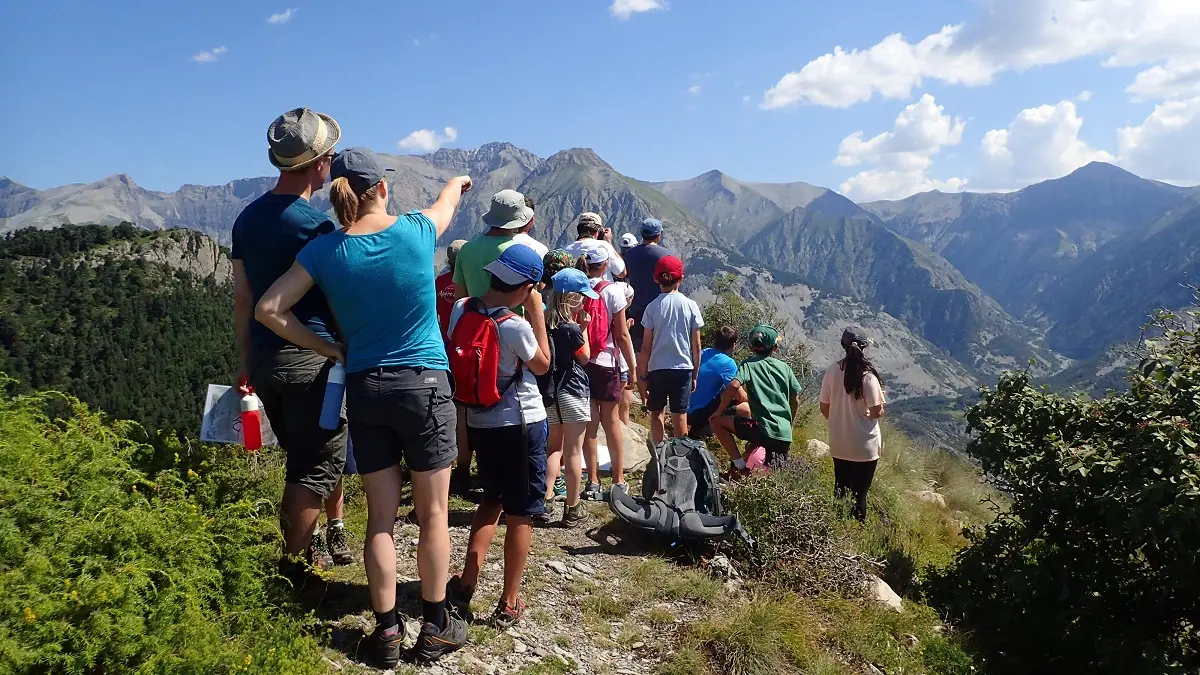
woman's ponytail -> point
(855, 367)
(345, 202)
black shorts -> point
(401, 414)
(698, 427)
(290, 382)
(672, 387)
(605, 383)
(748, 430)
(512, 466)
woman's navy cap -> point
(360, 166)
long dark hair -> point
(856, 365)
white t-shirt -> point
(537, 246)
(616, 266)
(673, 317)
(613, 296)
(852, 436)
(518, 345)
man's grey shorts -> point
(291, 383)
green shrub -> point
(105, 568)
(798, 529)
(1093, 568)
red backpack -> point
(474, 353)
(600, 329)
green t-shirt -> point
(472, 258)
(770, 385)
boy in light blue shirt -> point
(670, 355)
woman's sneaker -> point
(384, 647)
(506, 617)
(339, 545)
(432, 644)
(573, 515)
(593, 493)
(560, 488)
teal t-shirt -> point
(380, 286)
(770, 385)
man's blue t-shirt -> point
(639, 264)
(717, 370)
(267, 235)
(380, 286)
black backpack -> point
(681, 496)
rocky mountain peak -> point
(582, 156)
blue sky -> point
(1016, 91)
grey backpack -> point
(681, 497)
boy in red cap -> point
(670, 356)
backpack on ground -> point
(600, 329)
(681, 497)
(474, 353)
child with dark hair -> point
(852, 401)
(717, 370)
(772, 391)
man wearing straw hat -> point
(267, 235)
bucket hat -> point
(300, 137)
(508, 211)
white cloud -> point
(1084, 96)
(1007, 35)
(1160, 147)
(428, 140)
(623, 9)
(694, 89)
(902, 156)
(208, 56)
(1041, 143)
(282, 17)
(1177, 78)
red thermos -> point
(251, 422)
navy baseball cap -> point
(651, 227)
(360, 166)
(517, 264)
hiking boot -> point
(573, 515)
(458, 599)
(299, 574)
(506, 617)
(338, 541)
(593, 493)
(432, 644)
(383, 647)
(318, 554)
(560, 489)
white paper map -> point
(223, 418)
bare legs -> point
(572, 456)
(430, 490)
(517, 538)
(334, 506)
(554, 455)
(658, 425)
(605, 414)
(722, 427)
(301, 509)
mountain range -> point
(956, 287)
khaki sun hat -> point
(453, 249)
(300, 137)
(508, 211)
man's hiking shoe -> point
(560, 489)
(383, 647)
(458, 599)
(338, 541)
(506, 617)
(317, 554)
(593, 493)
(432, 644)
(299, 574)
(573, 515)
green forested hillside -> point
(137, 339)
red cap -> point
(668, 270)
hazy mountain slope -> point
(788, 196)
(1111, 298)
(731, 208)
(1016, 245)
(574, 181)
(861, 259)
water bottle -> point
(251, 422)
(335, 391)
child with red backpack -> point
(608, 335)
(495, 357)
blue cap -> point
(360, 166)
(518, 264)
(572, 280)
(651, 227)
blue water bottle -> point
(335, 391)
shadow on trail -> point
(619, 538)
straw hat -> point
(300, 137)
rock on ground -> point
(817, 448)
(930, 497)
(635, 444)
(881, 592)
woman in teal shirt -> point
(377, 274)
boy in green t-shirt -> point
(763, 399)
